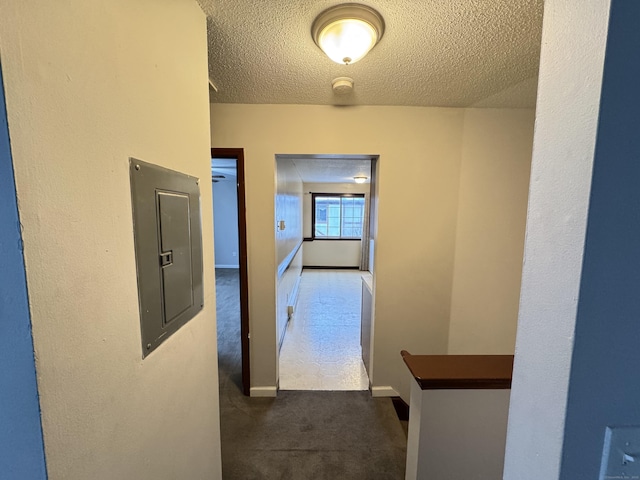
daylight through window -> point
(338, 216)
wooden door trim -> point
(238, 154)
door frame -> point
(238, 155)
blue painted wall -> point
(21, 445)
(604, 386)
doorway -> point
(230, 244)
(322, 346)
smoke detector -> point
(342, 85)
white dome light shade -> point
(347, 41)
(347, 32)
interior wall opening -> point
(227, 176)
(326, 271)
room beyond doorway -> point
(325, 233)
(230, 239)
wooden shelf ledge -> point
(440, 372)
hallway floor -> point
(298, 435)
(321, 349)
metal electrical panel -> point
(168, 243)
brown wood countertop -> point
(436, 372)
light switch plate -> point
(621, 453)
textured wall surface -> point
(433, 53)
(563, 151)
(602, 389)
(492, 210)
(89, 84)
(21, 447)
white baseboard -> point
(384, 392)
(263, 391)
(227, 266)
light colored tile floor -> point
(321, 349)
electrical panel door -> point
(168, 243)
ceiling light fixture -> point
(360, 179)
(347, 32)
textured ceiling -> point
(311, 168)
(332, 170)
(433, 53)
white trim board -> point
(227, 266)
(263, 392)
(385, 391)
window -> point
(337, 216)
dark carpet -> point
(299, 435)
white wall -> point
(225, 222)
(563, 152)
(419, 152)
(580, 303)
(492, 207)
(456, 434)
(288, 201)
(287, 290)
(334, 253)
(89, 84)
